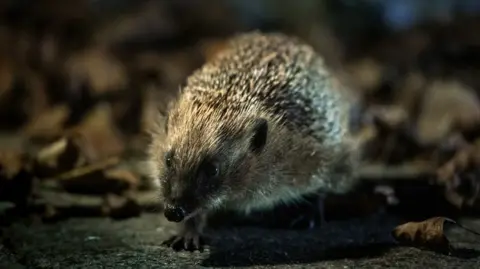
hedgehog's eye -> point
(211, 169)
(168, 159)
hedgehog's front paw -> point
(313, 217)
(303, 222)
(189, 241)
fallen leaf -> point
(428, 234)
(98, 137)
(393, 115)
(56, 205)
(11, 162)
(381, 172)
(85, 170)
(461, 178)
(47, 124)
(366, 74)
(410, 93)
(103, 71)
(447, 104)
(123, 175)
(92, 179)
(60, 199)
(56, 158)
(394, 142)
(120, 207)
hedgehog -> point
(262, 123)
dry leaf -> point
(56, 158)
(56, 205)
(97, 136)
(381, 172)
(95, 183)
(91, 179)
(103, 71)
(394, 143)
(410, 92)
(86, 170)
(123, 175)
(64, 200)
(366, 74)
(11, 162)
(120, 207)
(447, 104)
(392, 115)
(460, 176)
(427, 234)
(49, 123)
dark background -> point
(80, 81)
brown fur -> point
(260, 76)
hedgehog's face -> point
(200, 171)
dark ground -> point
(135, 243)
(51, 66)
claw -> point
(295, 222)
(313, 218)
(185, 242)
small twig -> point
(379, 172)
(63, 199)
(75, 173)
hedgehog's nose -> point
(174, 213)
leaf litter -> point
(77, 95)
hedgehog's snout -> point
(174, 213)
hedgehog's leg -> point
(321, 208)
(313, 215)
(189, 236)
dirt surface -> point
(81, 85)
(135, 243)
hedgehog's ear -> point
(259, 138)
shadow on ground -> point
(263, 254)
(352, 239)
